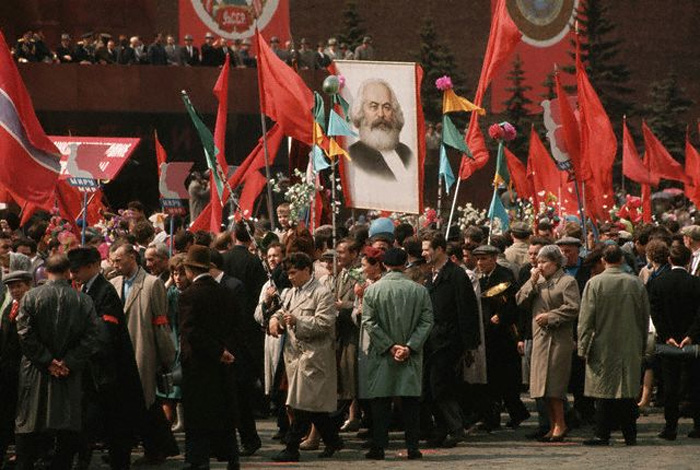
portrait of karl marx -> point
(377, 115)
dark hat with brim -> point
(328, 254)
(15, 276)
(520, 229)
(83, 256)
(486, 250)
(395, 257)
(198, 256)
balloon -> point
(331, 85)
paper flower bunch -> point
(504, 132)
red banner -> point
(234, 19)
(95, 157)
(547, 32)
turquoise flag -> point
(210, 150)
(498, 211)
(338, 126)
(318, 158)
(446, 170)
(319, 111)
(452, 137)
(337, 99)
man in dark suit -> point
(377, 114)
(208, 383)
(675, 309)
(113, 399)
(245, 376)
(455, 331)
(189, 54)
(156, 52)
(501, 315)
(65, 52)
(245, 266)
(210, 55)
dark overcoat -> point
(206, 330)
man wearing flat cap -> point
(18, 283)
(691, 239)
(113, 399)
(501, 316)
(397, 314)
(207, 340)
(517, 252)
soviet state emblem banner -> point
(234, 19)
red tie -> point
(14, 311)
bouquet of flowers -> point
(470, 215)
(299, 195)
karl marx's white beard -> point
(380, 134)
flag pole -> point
(84, 224)
(452, 210)
(439, 201)
(172, 229)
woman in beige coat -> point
(553, 298)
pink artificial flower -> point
(443, 83)
(509, 131)
(341, 81)
(496, 132)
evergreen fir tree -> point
(599, 51)
(549, 85)
(517, 106)
(665, 114)
(437, 60)
(353, 27)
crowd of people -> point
(104, 49)
(385, 325)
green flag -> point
(319, 111)
(452, 137)
(502, 175)
(210, 150)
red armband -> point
(110, 319)
(160, 320)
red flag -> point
(661, 163)
(284, 96)
(503, 37)
(29, 161)
(541, 169)
(518, 175)
(254, 184)
(598, 142)
(221, 93)
(253, 162)
(570, 129)
(632, 166)
(161, 156)
(646, 204)
(692, 169)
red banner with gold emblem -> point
(234, 19)
(547, 28)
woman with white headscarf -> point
(553, 298)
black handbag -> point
(691, 351)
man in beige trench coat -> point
(308, 315)
(612, 332)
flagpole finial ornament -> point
(503, 132)
(331, 85)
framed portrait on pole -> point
(384, 170)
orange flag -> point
(518, 175)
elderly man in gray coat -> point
(612, 332)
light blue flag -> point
(446, 170)
(498, 211)
(338, 126)
(319, 159)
